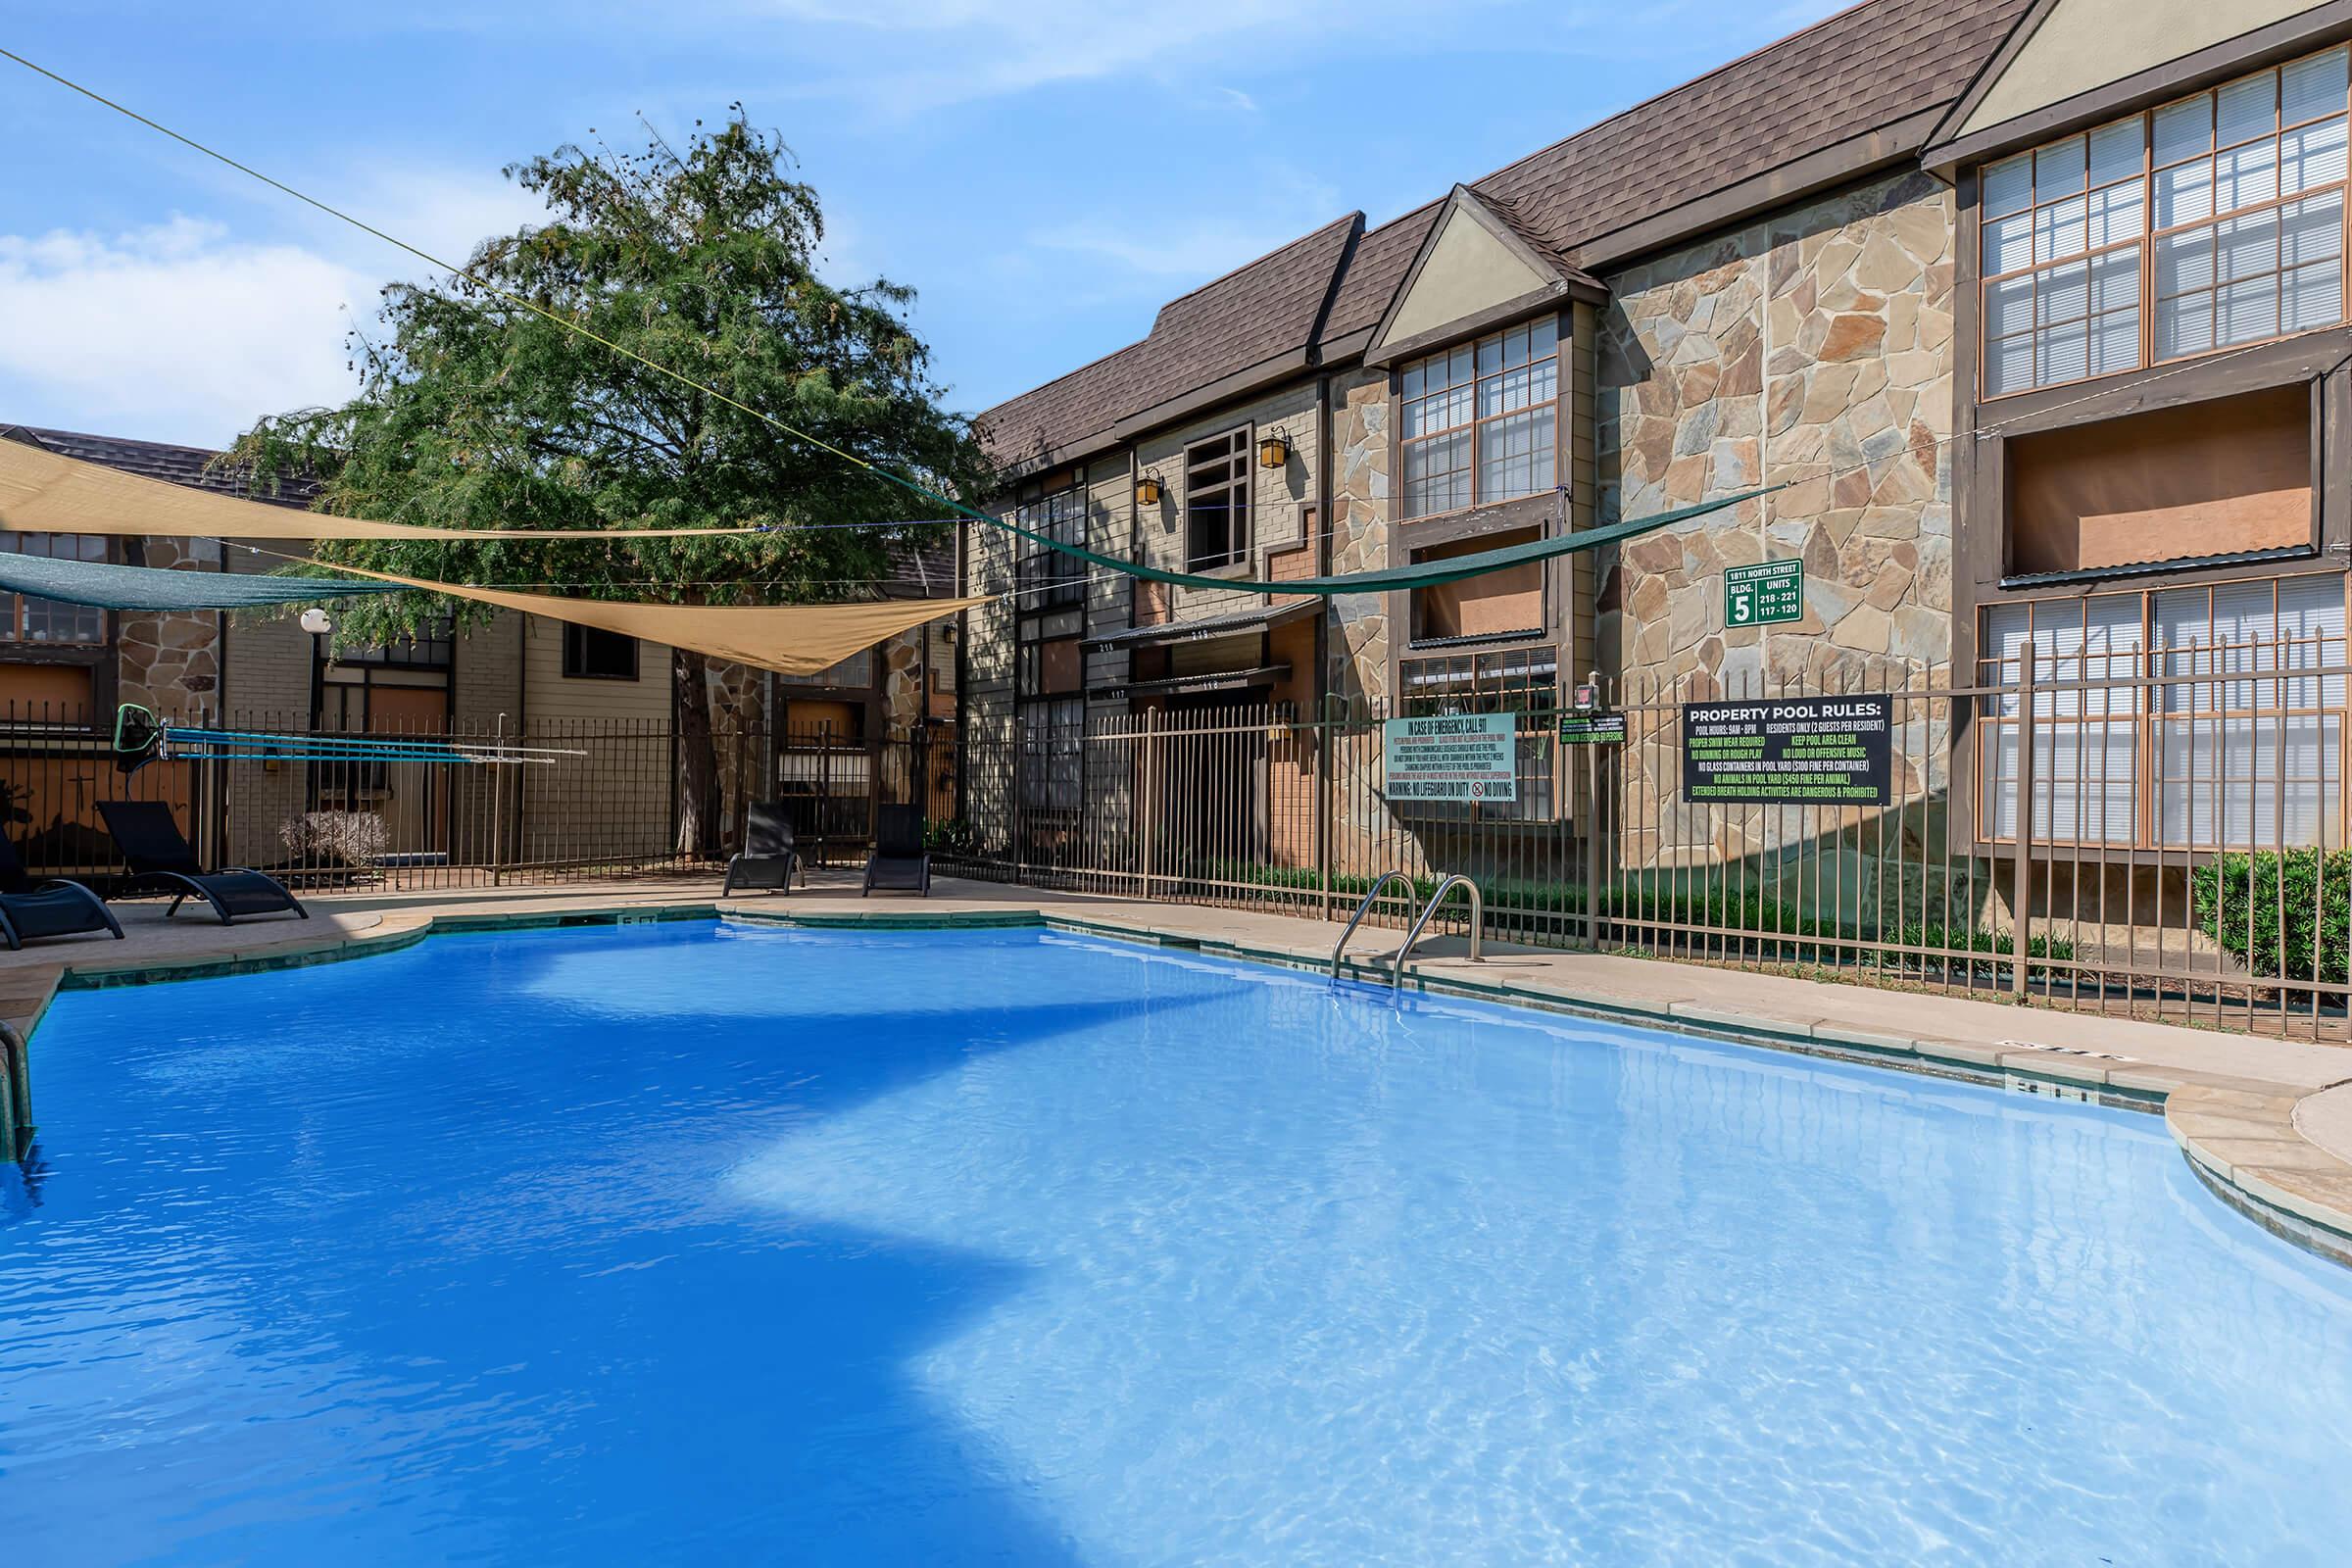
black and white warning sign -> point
(1794, 750)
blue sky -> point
(1043, 173)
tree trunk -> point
(699, 825)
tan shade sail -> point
(47, 492)
(788, 639)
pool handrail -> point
(1366, 907)
(1478, 921)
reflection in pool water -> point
(690, 1242)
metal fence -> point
(2158, 834)
(2179, 852)
(606, 806)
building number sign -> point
(1765, 594)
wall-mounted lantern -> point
(1273, 450)
(1147, 490)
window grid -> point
(1480, 422)
(2090, 248)
(50, 622)
(1047, 577)
(2233, 751)
(1052, 765)
(1216, 501)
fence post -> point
(1326, 736)
(1593, 832)
(1146, 802)
(743, 783)
(498, 809)
(2021, 862)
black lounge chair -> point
(54, 907)
(770, 856)
(899, 863)
(161, 858)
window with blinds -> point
(1480, 423)
(26, 619)
(2224, 745)
(2206, 223)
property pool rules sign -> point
(1457, 757)
(1797, 750)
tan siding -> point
(549, 696)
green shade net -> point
(103, 587)
(1391, 579)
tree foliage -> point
(474, 414)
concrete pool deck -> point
(2266, 1123)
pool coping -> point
(2239, 1136)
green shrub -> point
(2267, 909)
(953, 838)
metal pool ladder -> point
(1478, 923)
(1478, 919)
(1366, 907)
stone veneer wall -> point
(1812, 347)
(1359, 538)
(171, 661)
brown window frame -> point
(12, 632)
(1478, 423)
(2148, 237)
(2141, 711)
(1056, 508)
(1234, 448)
(575, 654)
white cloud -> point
(1203, 249)
(443, 212)
(182, 330)
(959, 51)
(173, 332)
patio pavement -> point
(2250, 1112)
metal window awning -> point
(1223, 680)
(1255, 618)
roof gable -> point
(1476, 267)
(1857, 93)
(2070, 47)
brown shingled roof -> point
(1064, 414)
(158, 460)
(1253, 314)
(1382, 258)
(1257, 312)
(1858, 72)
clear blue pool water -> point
(699, 1243)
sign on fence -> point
(1765, 594)
(1796, 751)
(1459, 757)
(1591, 729)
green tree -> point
(474, 414)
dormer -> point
(1477, 270)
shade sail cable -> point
(1458, 569)
(789, 639)
(98, 586)
(42, 491)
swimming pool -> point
(709, 1243)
